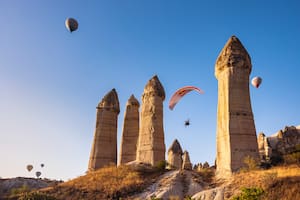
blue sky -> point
(52, 80)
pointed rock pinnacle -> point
(233, 54)
(175, 147)
(132, 101)
(110, 101)
(154, 87)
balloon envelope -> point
(38, 174)
(180, 93)
(29, 167)
(256, 81)
(71, 24)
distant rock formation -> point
(175, 155)
(104, 147)
(236, 134)
(265, 151)
(7, 185)
(130, 131)
(283, 142)
(187, 165)
(151, 143)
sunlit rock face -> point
(187, 165)
(151, 143)
(285, 141)
(104, 147)
(236, 134)
(130, 131)
(264, 148)
(175, 155)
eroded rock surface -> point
(151, 144)
(236, 134)
(130, 131)
(104, 147)
(175, 155)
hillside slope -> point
(126, 182)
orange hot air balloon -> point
(29, 167)
(180, 93)
(256, 81)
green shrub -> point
(35, 196)
(24, 188)
(251, 163)
(293, 158)
(249, 194)
(161, 165)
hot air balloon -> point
(42, 165)
(38, 174)
(180, 93)
(71, 24)
(256, 81)
(29, 167)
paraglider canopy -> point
(71, 24)
(180, 93)
(256, 81)
(29, 167)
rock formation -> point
(151, 144)
(236, 134)
(264, 148)
(285, 141)
(130, 131)
(104, 147)
(187, 165)
(175, 155)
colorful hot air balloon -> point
(38, 174)
(29, 167)
(180, 93)
(71, 24)
(256, 81)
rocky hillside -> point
(17, 185)
(145, 183)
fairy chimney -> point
(175, 155)
(236, 134)
(104, 147)
(130, 131)
(151, 144)
(187, 165)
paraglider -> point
(42, 165)
(71, 24)
(180, 93)
(38, 174)
(256, 81)
(187, 123)
(29, 167)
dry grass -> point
(283, 182)
(105, 183)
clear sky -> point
(51, 80)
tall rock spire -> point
(104, 147)
(130, 131)
(236, 134)
(151, 144)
